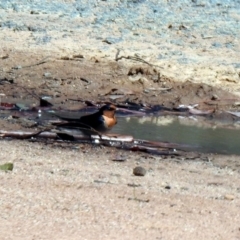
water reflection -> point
(200, 134)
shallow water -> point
(207, 137)
(193, 133)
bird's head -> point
(108, 110)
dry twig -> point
(134, 58)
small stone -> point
(66, 58)
(146, 91)
(229, 197)
(4, 56)
(34, 12)
(47, 74)
(135, 78)
(120, 158)
(236, 104)
(214, 97)
(78, 56)
(17, 67)
(139, 171)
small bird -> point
(101, 121)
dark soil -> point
(70, 82)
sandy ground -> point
(74, 191)
(78, 192)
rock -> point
(5, 56)
(120, 158)
(229, 197)
(215, 97)
(139, 171)
(47, 75)
(236, 104)
(17, 67)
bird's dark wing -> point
(90, 123)
(95, 121)
(67, 118)
(72, 126)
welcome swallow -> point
(101, 121)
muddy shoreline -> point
(78, 191)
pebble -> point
(229, 197)
(47, 75)
(236, 104)
(17, 67)
(214, 97)
(120, 158)
(139, 171)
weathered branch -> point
(120, 141)
(54, 135)
(44, 60)
(134, 58)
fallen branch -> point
(54, 135)
(20, 135)
(119, 141)
(36, 64)
(134, 58)
(154, 144)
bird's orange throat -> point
(109, 117)
(109, 114)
